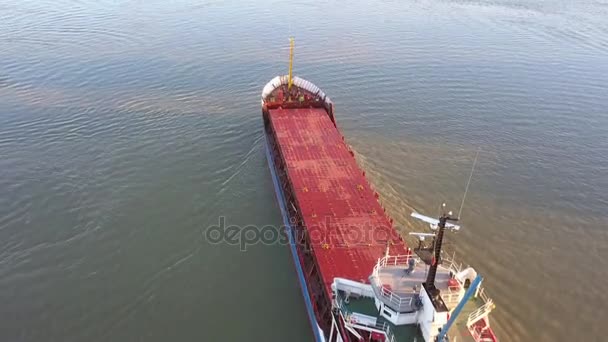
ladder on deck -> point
(478, 323)
(481, 313)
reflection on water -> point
(126, 128)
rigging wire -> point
(466, 190)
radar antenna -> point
(440, 225)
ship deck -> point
(410, 332)
(365, 306)
(348, 227)
(407, 285)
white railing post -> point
(333, 326)
(479, 291)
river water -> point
(127, 128)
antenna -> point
(466, 189)
(441, 223)
(434, 223)
(421, 237)
(291, 46)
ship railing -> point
(455, 267)
(449, 261)
(385, 294)
(394, 301)
(394, 260)
(475, 334)
(370, 324)
(402, 260)
(483, 295)
(403, 303)
(484, 309)
(481, 312)
(450, 296)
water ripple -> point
(126, 126)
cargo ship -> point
(359, 279)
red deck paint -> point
(347, 225)
(483, 330)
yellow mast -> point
(291, 44)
